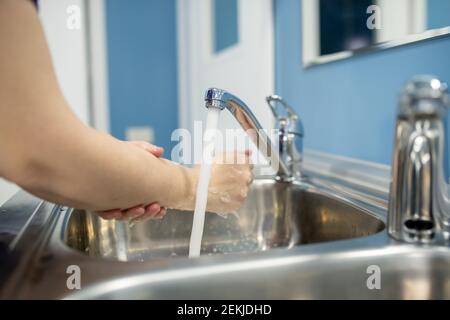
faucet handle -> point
(292, 122)
(290, 111)
(290, 136)
(424, 96)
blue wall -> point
(438, 13)
(142, 61)
(225, 24)
(348, 107)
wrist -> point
(187, 201)
(193, 174)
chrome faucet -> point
(287, 159)
(290, 135)
(419, 202)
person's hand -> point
(139, 213)
(231, 177)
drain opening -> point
(419, 225)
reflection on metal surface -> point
(419, 206)
(275, 215)
(341, 275)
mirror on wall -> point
(339, 29)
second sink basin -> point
(275, 215)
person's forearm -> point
(48, 151)
(95, 171)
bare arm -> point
(46, 150)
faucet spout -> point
(217, 98)
(419, 204)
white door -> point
(245, 69)
(65, 30)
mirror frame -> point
(310, 29)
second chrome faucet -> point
(419, 204)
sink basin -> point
(275, 215)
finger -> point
(134, 212)
(155, 150)
(152, 209)
(151, 148)
(110, 214)
(247, 176)
(161, 214)
(105, 216)
(242, 158)
(151, 215)
(250, 180)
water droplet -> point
(223, 215)
(225, 197)
(213, 191)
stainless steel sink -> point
(323, 235)
(275, 215)
(406, 272)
